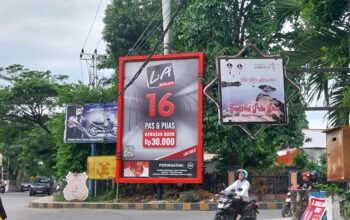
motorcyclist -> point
(306, 183)
(314, 178)
(241, 188)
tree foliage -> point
(30, 96)
(32, 102)
(318, 37)
(125, 22)
(32, 122)
(215, 27)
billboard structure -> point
(91, 123)
(251, 90)
(160, 119)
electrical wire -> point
(150, 34)
(98, 43)
(135, 46)
(144, 43)
(177, 10)
(92, 24)
(107, 2)
(139, 44)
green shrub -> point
(189, 196)
(103, 196)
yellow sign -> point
(101, 167)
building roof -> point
(209, 157)
(317, 137)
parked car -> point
(25, 186)
(42, 185)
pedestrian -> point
(2, 211)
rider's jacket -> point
(238, 184)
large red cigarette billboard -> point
(160, 119)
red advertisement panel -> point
(316, 209)
(160, 119)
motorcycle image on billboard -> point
(91, 123)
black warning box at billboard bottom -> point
(159, 76)
(174, 169)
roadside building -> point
(314, 143)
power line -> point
(177, 10)
(135, 48)
(98, 43)
(101, 38)
(92, 24)
(149, 35)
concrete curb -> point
(142, 206)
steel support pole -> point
(91, 182)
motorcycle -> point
(286, 207)
(228, 208)
(106, 128)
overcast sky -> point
(49, 35)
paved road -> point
(16, 205)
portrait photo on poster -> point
(136, 168)
(252, 90)
(76, 123)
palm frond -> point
(273, 14)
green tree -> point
(221, 28)
(28, 100)
(125, 22)
(73, 157)
(30, 97)
(32, 121)
(215, 27)
(318, 38)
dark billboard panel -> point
(160, 119)
(251, 90)
(91, 123)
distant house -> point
(210, 163)
(314, 143)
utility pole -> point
(91, 59)
(166, 9)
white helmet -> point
(245, 173)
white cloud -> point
(49, 35)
